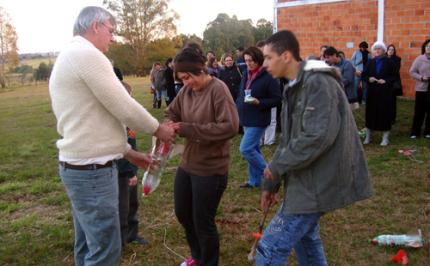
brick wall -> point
(407, 25)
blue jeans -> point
(94, 199)
(159, 95)
(250, 149)
(288, 231)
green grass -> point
(36, 226)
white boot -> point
(367, 139)
(385, 140)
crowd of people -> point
(319, 158)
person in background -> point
(258, 94)
(212, 66)
(269, 136)
(359, 60)
(92, 109)
(205, 115)
(155, 68)
(230, 74)
(347, 71)
(341, 54)
(240, 62)
(209, 55)
(397, 84)
(169, 80)
(420, 72)
(322, 50)
(320, 157)
(379, 75)
(127, 188)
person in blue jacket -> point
(258, 93)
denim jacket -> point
(320, 156)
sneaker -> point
(427, 136)
(413, 136)
(189, 262)
(385, 142)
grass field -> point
(35, 219)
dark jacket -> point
(266, 90)
(231, 77)
(320, 157)
(379, 99)
(397, 84)
(125, 168)
(348, 76)
(169, 83)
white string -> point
(169, 249)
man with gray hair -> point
(92, 109)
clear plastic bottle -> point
(151, 179)
(414, 241)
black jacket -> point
(231, 77)
(266, 90)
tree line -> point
(146, 33)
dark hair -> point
(364, 45)
(394, 47)
(340, 52)
(195, 46)
(423, 48)
(168, 61)
(324, 46)
(330, 51)
(210, 52)
(256, 54)
(260, 44)
(240, 49)
(285, 41)
(190, 60)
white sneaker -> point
(413, 137)
(427, 136)
(385, 142)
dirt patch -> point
(44, 211)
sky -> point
(46, 25)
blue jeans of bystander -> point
(94, 199)
(249, 148)
(288, 231)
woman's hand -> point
(381, 81)
(372, 79)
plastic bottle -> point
(151, 178)
(414, 241)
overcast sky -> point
(46, 25)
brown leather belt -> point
(87, 166)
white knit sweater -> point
(91, 105)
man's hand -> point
(372, 79)
(132, 181)
(141, 160)
(268, 174)
(166, 132)
(381, 81)
(267, 198)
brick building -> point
(345, 23)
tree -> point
(8, 49)
(225, 34)
(142, 21)
(263, 30)
(43, 71)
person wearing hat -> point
(379, 73)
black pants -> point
(422, 110)
(196, 202)
(128, 205)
